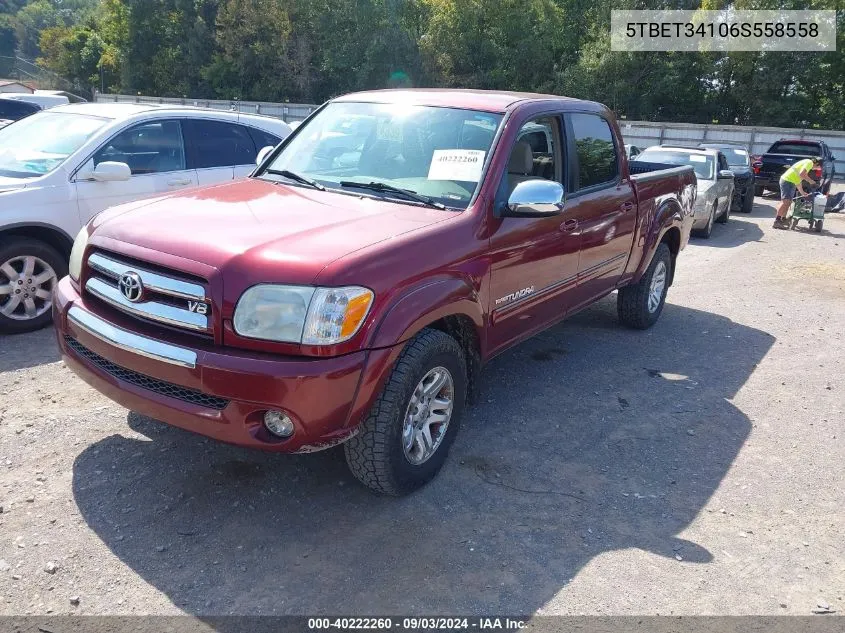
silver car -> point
(715, 181)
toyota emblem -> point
(131, 286)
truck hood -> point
(290, 233)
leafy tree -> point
(31, 20)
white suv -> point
(60, 167)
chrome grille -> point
(143, 381)
(165, 299)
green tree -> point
(31, 20)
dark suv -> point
(739, 162)
(786, 152)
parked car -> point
(314, 304)
(739, 162)
(42, 100)
(60, 167)
(632, 151)
(785, 153)
(72, 98)
(715, 182)
(13, 110)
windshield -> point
(36, 145)
(737, 157)
(436, 152)
(701, 163)
(795, 149)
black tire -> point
(723, 219)
(632, 301)
(759, 191)
(376, 455)
(707, 231)
(18, 247)
(747, 203)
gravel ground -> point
(692, 469)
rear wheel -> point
(404, 441)
(639, 306)
(29, 271)
(758, 190)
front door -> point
(155, 153)
(534, 260)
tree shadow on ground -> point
(587, 439)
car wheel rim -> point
(26, 286)
(658, 285)
(427, 416)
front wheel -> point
(639, 306)
(723, 219)
(747, 202)
(29, 271)
(707, 231)
(404, 441)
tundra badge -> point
(519, 294)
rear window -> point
(796, 149)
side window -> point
(536, 153)
(262, 139)
(596, 151)
(219, 144)
(148, 148)
(723, 162)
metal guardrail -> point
(641, 133)
(757, 139)
(286, 111)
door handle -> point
(570, 225)
(627, 206)
(178, 182)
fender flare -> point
(668, 216)
(423, 305)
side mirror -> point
(263, 153)
(726, 174)
(535, 198)
(109, 171)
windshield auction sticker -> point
(724, 30)
(461, 165)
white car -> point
(42, 100)
(61, 167)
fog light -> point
(278, 423)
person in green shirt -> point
(790, 182)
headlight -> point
(76, 253)
(302, 314)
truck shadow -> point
(19, 351)
(587, 439)
(738, 230)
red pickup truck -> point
(352, 288)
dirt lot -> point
(696, 468)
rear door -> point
(219, 150)
(602, 201)
(155, 153)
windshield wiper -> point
(385, 188)
(292, 175)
